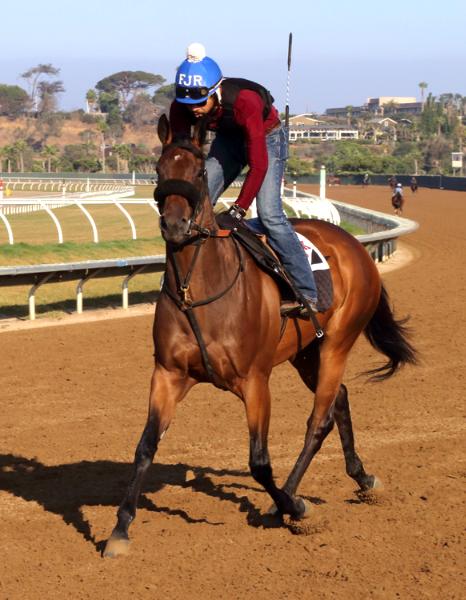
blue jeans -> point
(227, 158)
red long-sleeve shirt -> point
(248, 115)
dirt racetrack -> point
(73, 404)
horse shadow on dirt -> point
(64, 489)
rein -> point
(186, 304)
(183, 301)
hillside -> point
(21, 128)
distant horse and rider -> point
(218, 320)
(398, 199)
(334, 180)
(413, 185)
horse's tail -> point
(390, 337)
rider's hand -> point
(231, 218)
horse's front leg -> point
(256, 396)
(167, 389)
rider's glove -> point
(237, 212)
(231, 218)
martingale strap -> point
(186, 305)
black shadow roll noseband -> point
(177, 187)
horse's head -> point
(182, 183)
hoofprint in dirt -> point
(73, 405)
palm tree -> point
(123, 153)
(9, 153)
(19, 147)
(422, 86)
(102, 127)
(50, 152)
(3, 156)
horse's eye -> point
(201, 173)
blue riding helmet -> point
(198, 77)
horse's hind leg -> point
(256, 397)
(354, 466)
(166, 391)
(322, 373)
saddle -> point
(257, 246)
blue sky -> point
(343, 52)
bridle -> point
(181, 297)
(180, 187)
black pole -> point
(287, 107)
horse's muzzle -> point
(175, 230)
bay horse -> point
(218, 320)
(397, 202)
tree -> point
(141, 111)
(19, 148)
(88, 136)
(8, 153)
(103, 128)
(91, 100)
(49, 124)
(47, 91)
(50, 152)
(422, 86)
(115, 124)
(164, 96)
(127, 84)
(13, 100)
(33, 75)
(123, 154)
(80, 157)
(108, 101)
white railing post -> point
(54, 219)
(95, 233)
(294, 189)
(79, 290)
(128, 216)
(124, 286)
(323, 176)
(8, 227)
(32, 295)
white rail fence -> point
(15, 206)
(303, 205)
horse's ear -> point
(164, 130)
(199, 132)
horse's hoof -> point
(304, 512)
(307, 506)
(273, 510)
(376, 484)
(116, 546)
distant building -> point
(379, 106)
(344, 111)
(304, 119)
(322, 131)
